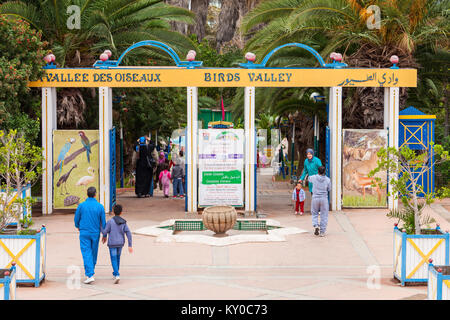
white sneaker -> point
(116, 279)
(89, 280)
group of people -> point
(319, 185)
(90, 217)
(154, 169)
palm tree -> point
(405, 25)
(105, 24)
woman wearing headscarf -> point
(144, 168)
(310, 167)
(160, 163)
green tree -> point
(106, 24)
(20, 164)
(405, 167)
(21, 60)
(405, 25)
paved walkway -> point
(338, 266)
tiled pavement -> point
(338, 266)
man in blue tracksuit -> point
(90, 221)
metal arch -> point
(155, 44)
(294, 44)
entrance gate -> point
(106, 75)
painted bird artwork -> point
(64, 151)
(86, 144)
(63, 179)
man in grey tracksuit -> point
(321, 187)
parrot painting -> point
(86, 144)
(62, 154)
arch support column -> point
(392, 108)
(250, 150)
(105, 126)
(192, 149)
(48, 125)
(335, 123)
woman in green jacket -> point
(310, 167)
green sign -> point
(222, 177)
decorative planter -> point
(412, 252)
(8, 283)
(26, 192)
(28, 252)
(219, 219)
(438, 282)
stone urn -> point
(219, 219)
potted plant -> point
(438, 282)
(8, 283)
(414, 241)
(20, 168)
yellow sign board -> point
(232, 77)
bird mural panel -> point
(81, 165)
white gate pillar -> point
(250, 149)
(335, 123)
(48, 125)
(393, 103)
(105, 125)
(192, 148)
(386, 109)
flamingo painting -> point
(86, 180)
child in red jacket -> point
(298, 195)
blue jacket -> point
(90, 216)
(117, 228)
(301, 195)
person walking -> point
(144, 168)
(159, 168)
(310, 167)
(90, 221)
(177, 179)
(115, 230)
(321, 187)
(164, 177)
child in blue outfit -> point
(116, 228)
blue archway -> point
(316, 55)
(151, 43)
